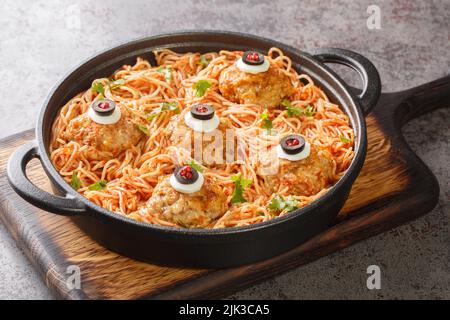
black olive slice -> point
(186, 175)
(104, 107)
(253, 58)
(293, 144)
(202, 111)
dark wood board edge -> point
(346, 233)
(216, 284)
(409, 104)
(29, 242)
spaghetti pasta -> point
(156, 98)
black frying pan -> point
(198, 247)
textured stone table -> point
(41, 40)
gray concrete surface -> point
(41, 40)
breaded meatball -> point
(197, 209)
(304, 177)
(266, 88)
(213, 144)
(104, 139)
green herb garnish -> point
(239, 186)
(203, 61)
(100, 185)
(292, 111)
(143, 128)
(266, 122)
(117, 83)
(75, 182)
(201, 86)
(344, 139)
(98, 87)
(278, 203)
(195, 165)
(309, 111)
(165, 106)
(167, 73)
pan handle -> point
(371, 79)
(426, 98)
(17, 177)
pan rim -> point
(348, 177)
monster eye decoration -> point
(104, 111)
(293, 147)
(253, 62)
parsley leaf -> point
(203, 61)
(278, 203)
(117, 83)
(195, 165)
(309, 111)
(143, 128)
(201, 86)
(164, 106)
(75, 182)
(296, 111)
(344, 139)
(239, 186)
(291, 110)
(98, 87)
(266, 122)
(167, 73)
(98, 185)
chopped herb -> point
(143, 128)
(98, 87)
(260, 213)
(296, 111)
(239, 186)
(75, 182)
(195, 165)
(203, 61)
(117, 83)
(98, 185)
(165, 106)
(278, 203)
(266, 122)
(201, 86)
(167, 73)
(344, 139)
(292, 111)
(309, 111)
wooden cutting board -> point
(393, 187)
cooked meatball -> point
(304, 177)
(266, 88)
(197, 209)
(104, 139)
(183, 136)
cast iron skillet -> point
(198, 247)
